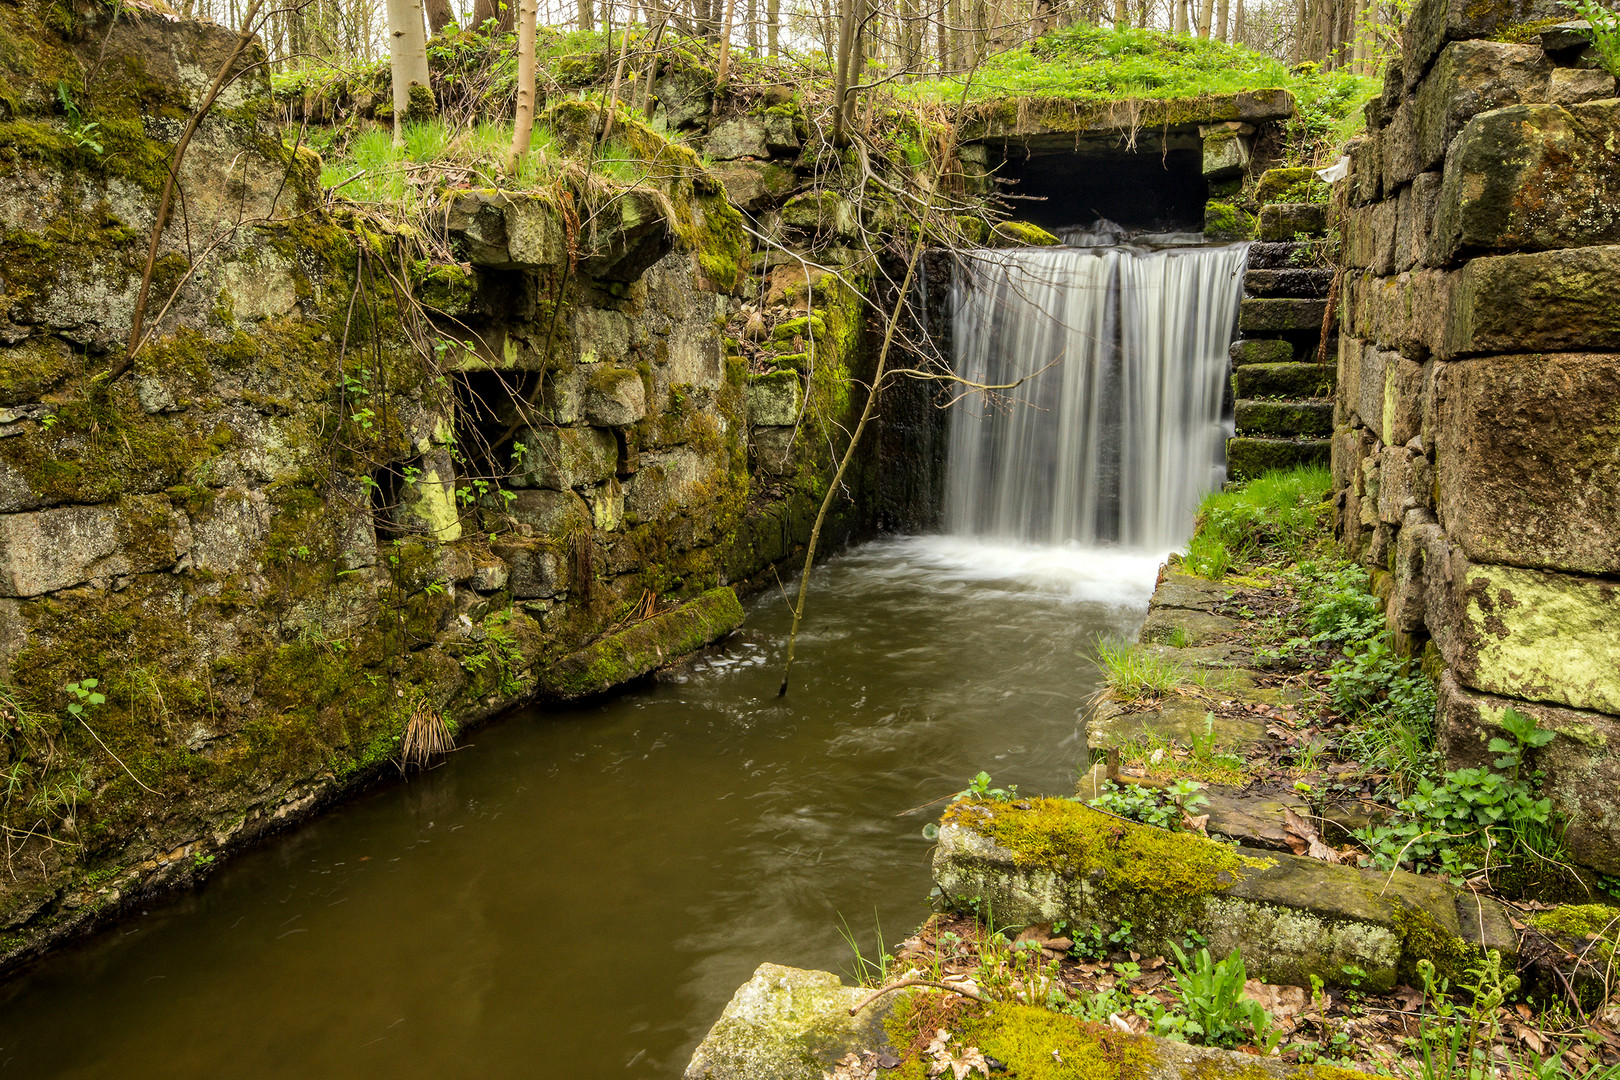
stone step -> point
(1279, 255)
(1311, 416)
(1261, 351)
(1293, 282)
(1286, 221)
(1248, 457)
(1263, 316)
(1292, 380)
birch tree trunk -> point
(407, 58)
(1223, 12)
(523, 125)
(1206, 15)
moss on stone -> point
(1151, 865)
(1579, 921)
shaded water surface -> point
(577, 894)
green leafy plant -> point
(1605, 31)
(1162, 809)
(1455, 1040)
(81, 133)
(980, 788)
(1211, 995)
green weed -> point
(1134, 673)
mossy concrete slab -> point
(1261, 351)
(1177, 717)
(1248, 457)
(650, 644)
(1261, 315)
(1292, 380)
(1291, 917)
(1177, 626)
(1287, 221)
(792, 1024)
(1287, 418)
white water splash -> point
(1123, 432)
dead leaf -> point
(1284, 1003)
(1303, 839)
(853, 1066)
(1197, 824)
(1530, 1038)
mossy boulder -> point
(1008, 234)
(1289, 185)
(1227, 221)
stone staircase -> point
(1283, 400)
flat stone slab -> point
(792, 1024)
(1291, 917)
(1055, 123)
(1181, 718)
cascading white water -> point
(1119, 429)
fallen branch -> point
(903, 983)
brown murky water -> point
(578, 893)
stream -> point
(578, 893)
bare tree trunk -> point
(1240, 26)
(1206, 16)
(523, 125)
(724, 66)
(1223, 12)
(486, 10)
(841, 77)
(1181, 15)
(440, 15)
(752, 29)
(587, 15)
(1301, 31)
(1122, 14)
(407, 55)
(773, 24)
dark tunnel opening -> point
(1151, 190)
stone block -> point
(1368, 387)
(669, 480)
(1291, 917)
(1401, 418)
(1399, 157)
(1571, 86)
(1370, 236)
(775, 398)
(569, 457)
(1410, 312)
(1289, 185)
(1469, 78)
(1532, 178)
(48, 550)
(771, 449)
(1528, 456)
(738, 137)
(534, 571)
(1366, 177)
(1249, 457)
(1291, 282)
(1280, 256)
(1261, 351)
(1432, 23)
(1531, 634)
(1550, 301)
(754, 185)
(614, 397)
(1285, 221)
(508, 232)
(1293, 380)
(1581, 765)
(1226, 221)
(1226, 155)
(553, 514)
(1398, 489)
(627, 236)
(821, 214)
(1416, 208)
(1275, 315)
(1284, 417)
(1408, 603)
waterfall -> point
(1119, 428)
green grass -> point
(1284, 512)
(1134, 673)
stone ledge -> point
(1291, 380)
(1291, 917)
(1249, 457)
(1038, 121)
(1286, 418)
(629, 654)
(792, 1024)
(1275, 315)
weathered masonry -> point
(1476, 452)
(344, 482)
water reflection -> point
(578, 893)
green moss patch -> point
(1133, 859)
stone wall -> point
(1475, 454)
(346, 482)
